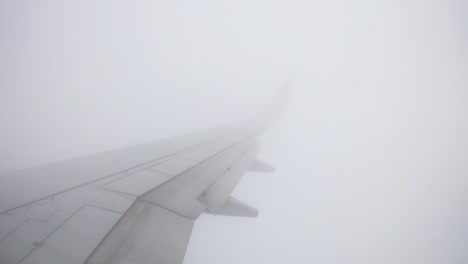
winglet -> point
(260, 166)
(282, 99)
(277, 107)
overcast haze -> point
(371, 154)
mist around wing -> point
(370, 154)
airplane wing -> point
(133, 205)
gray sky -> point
(371, 154)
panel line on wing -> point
(102, 178)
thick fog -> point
(371, 154)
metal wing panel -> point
(74, 241)
(174, 166)
(41, 220)
(50, 179)
(21, 241)
(156, 202)
(147, 233)
(138, 183)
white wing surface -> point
(133, 205)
